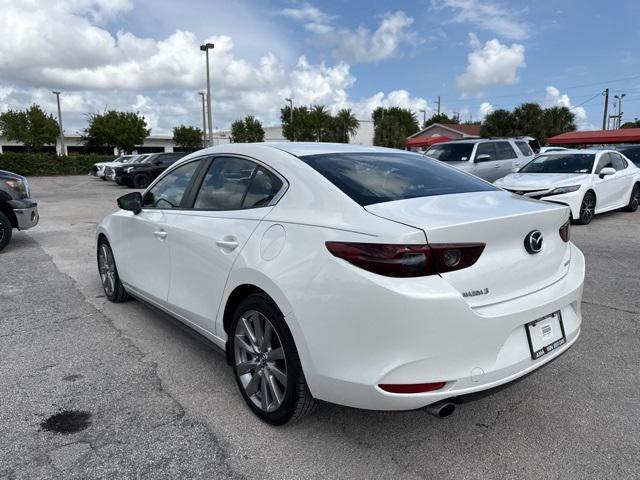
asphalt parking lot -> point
(164, 405)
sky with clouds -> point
(143, 55)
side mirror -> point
(607, 171)
(483, 158)
(131, 201)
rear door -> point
(486, 163)
(507, 157)
(231, 199)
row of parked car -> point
(588, 181)
(137, 171)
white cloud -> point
(159, 78)
(487, 15)
(359, 45)
(485, 109)
(554, 98)
(490, 65)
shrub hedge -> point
(31, 164)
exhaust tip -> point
(441, 409)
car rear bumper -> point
(426, 338)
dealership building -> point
(164, 143)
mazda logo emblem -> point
(533, 241)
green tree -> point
(635, 124)
(113, 129)
(529, 120)
(187, 138)
(440, 118)
(32, 127)
(557, 120)
(346, 124)
(392, 126)
(247, 131)
(499, 123)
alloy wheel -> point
(587, 209)
(635, 197)
(260, 363)
(107, 268)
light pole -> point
(204, 122)
(424, 117)
(290, 100)
(620, 97)
(63, 150)
(205, 48)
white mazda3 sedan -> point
(362, 276)
(588, 181)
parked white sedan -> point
(98, 169)
(588, 181)
(362, 276)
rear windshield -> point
(560, 163)
(370, 178)
(451, 152)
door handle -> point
(160, 234)
(227, 244)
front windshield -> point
(450, 152)
(560, 163)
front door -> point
(234, 197)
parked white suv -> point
(487, 158)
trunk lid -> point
(501, 221)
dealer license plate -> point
(545, 335)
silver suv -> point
(487, 158)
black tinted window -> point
(264, 186)
(169, 190)
(450, 152)
(370, 178)
(504, 151)
(558, 163)
(487, 148)
(632, 153)
(225, 184)
(619, 163)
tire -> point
(587, 209)
(634, 200)
(141, 180)
(103, 179)
(111, 284)
(6, 231)
(271, 366)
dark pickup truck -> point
(140, 175)
(17, 209)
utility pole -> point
(606, 108)
(63, 150)
(204, 122)
(424, 117)
(290, 100)
(205, 48)
(619, 116)
(438, 105)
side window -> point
(633, 154)
(263, 188)
(486, 148)
(619, 163)
(225, 184)
(605, 161)
(504, 151)
(524, 148)
(168, 192)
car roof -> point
(573, 151)
(477, 140)
(298, 149)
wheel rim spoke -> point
(260, 362)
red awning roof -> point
(624, 135)
(425, 141)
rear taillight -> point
(411, 387)
(565, 231)
(394, 260)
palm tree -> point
(348, 124)
(320, 119)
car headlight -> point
(19, 185)
(560, 190)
